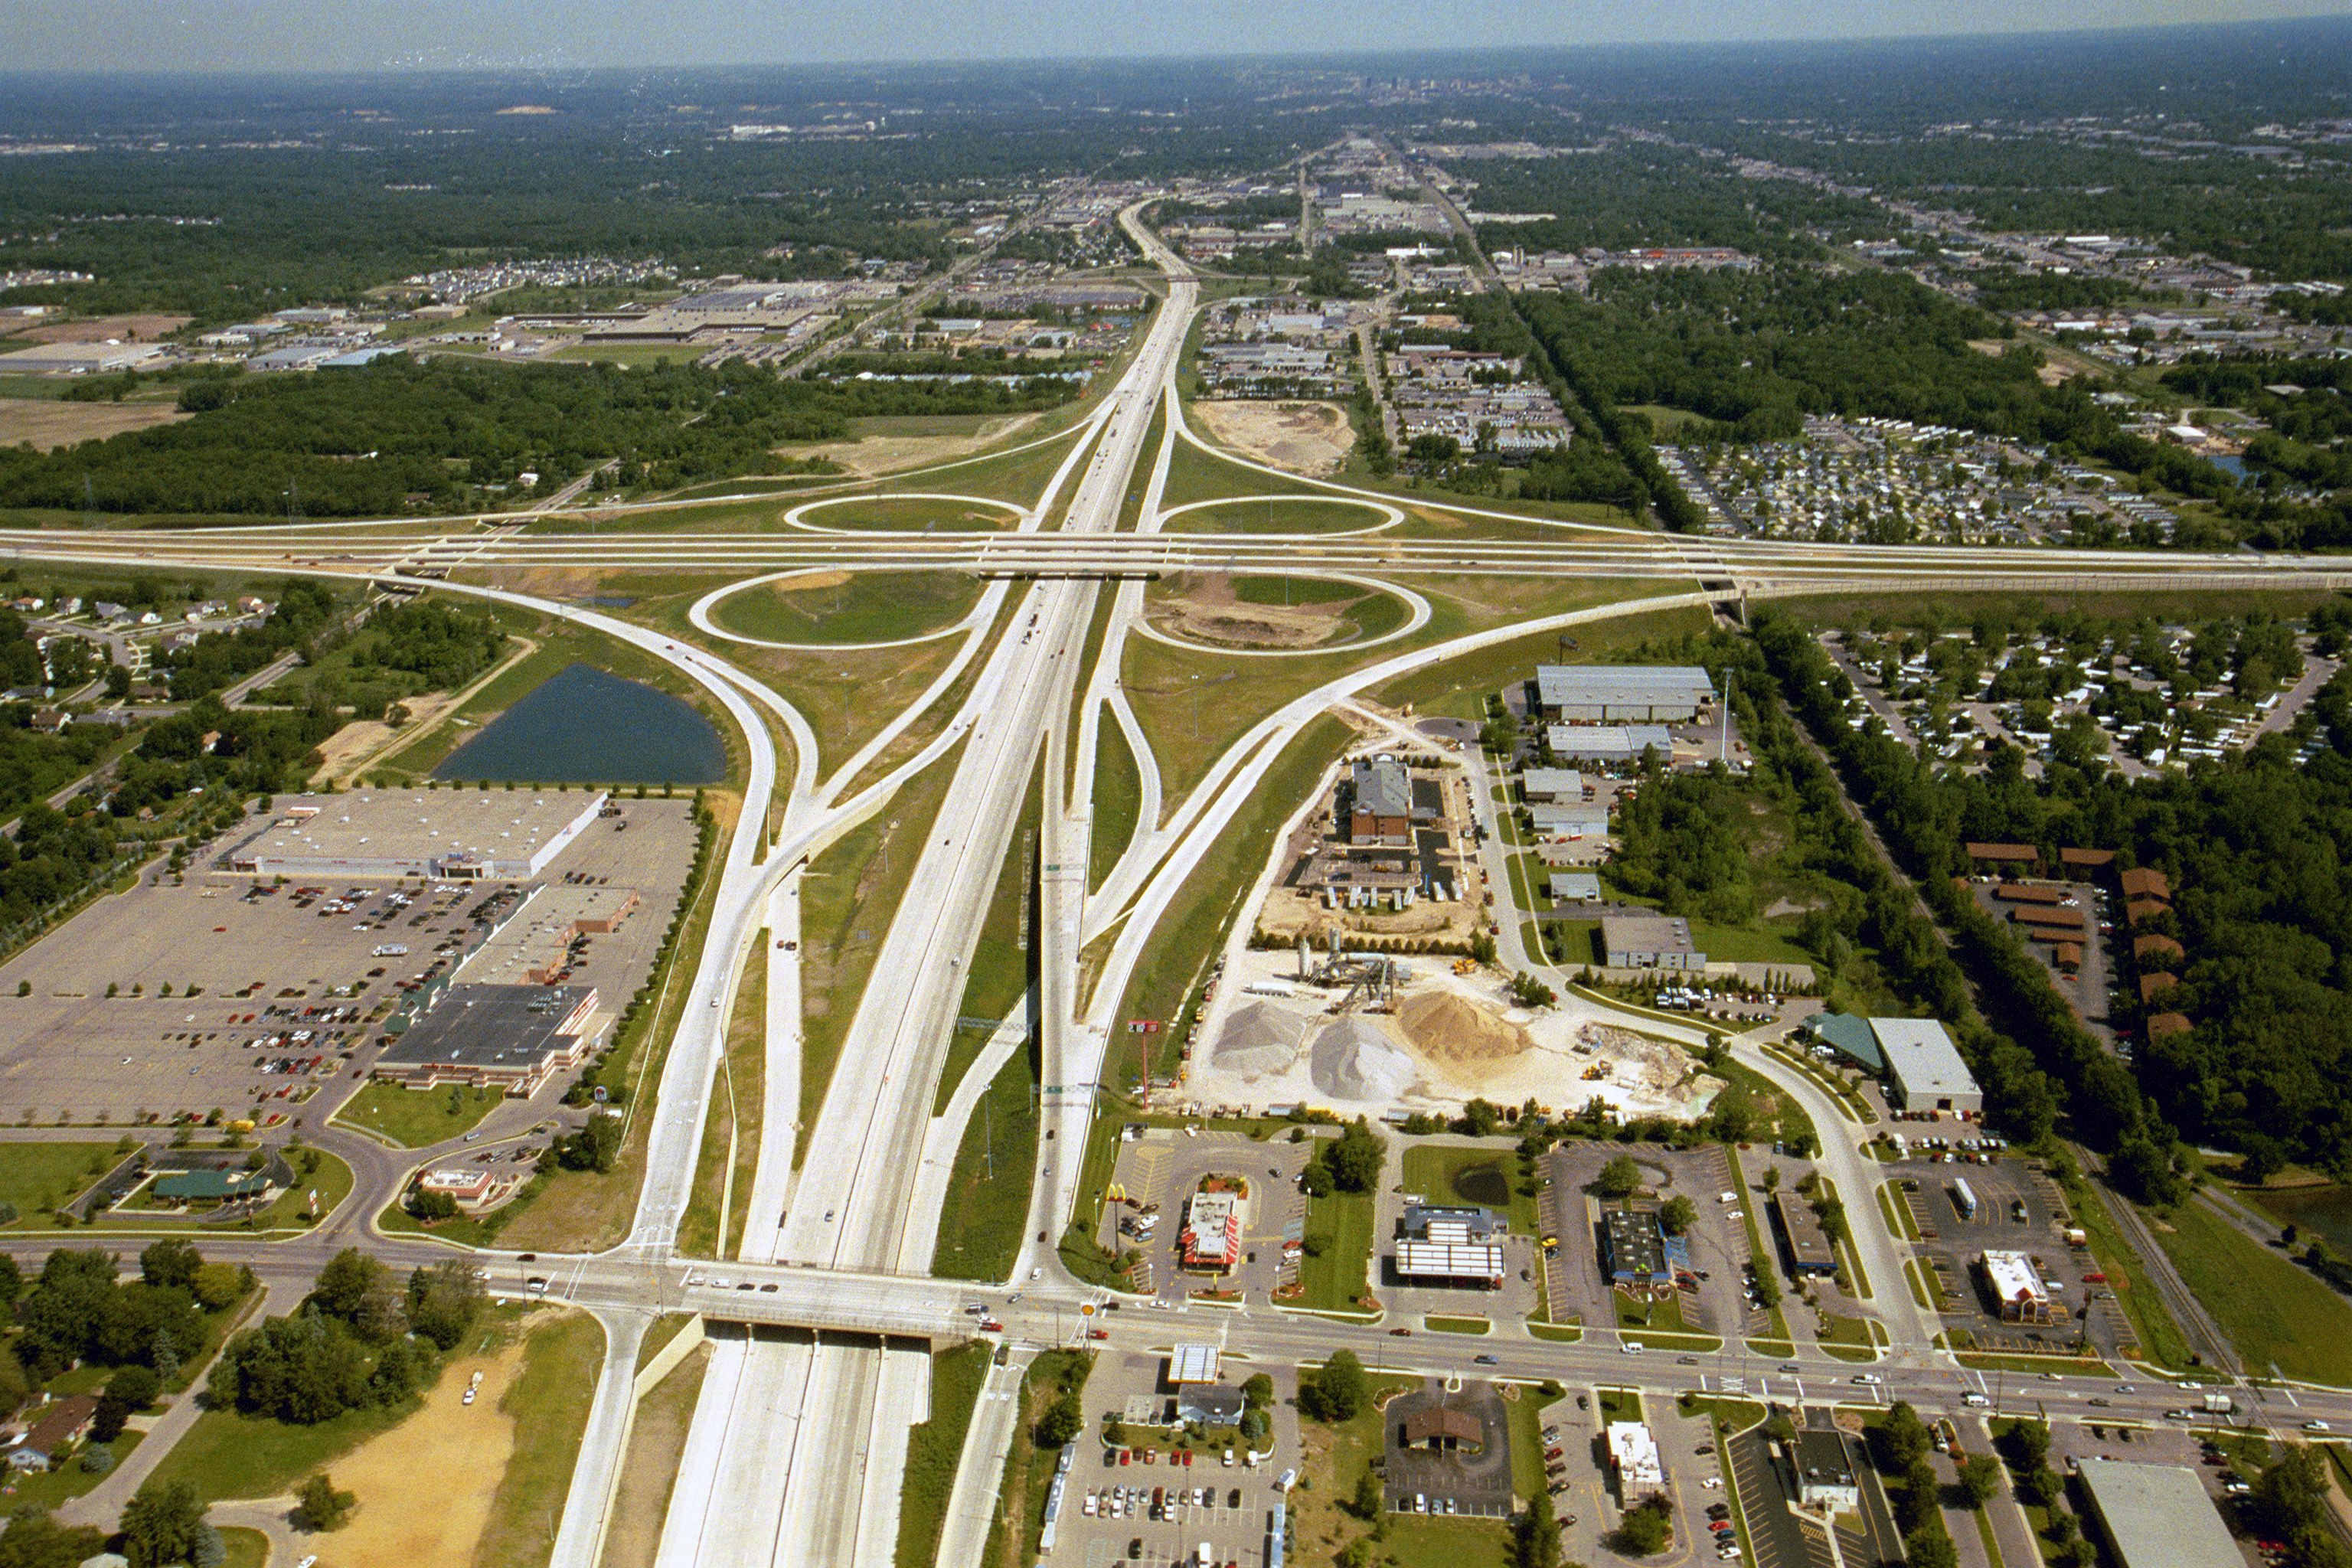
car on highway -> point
(1485, 1361)
(1867, 1380)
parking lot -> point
(244, 994)
(1713, 1301)
(1166, 1166)
(1153, 1512)
(1460, 1477)
(2017, 1209)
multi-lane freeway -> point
(798, 1441)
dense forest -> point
(1644, 194)
(2257, 849)
(398, 436)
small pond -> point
(585, 725)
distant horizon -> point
(255, 41)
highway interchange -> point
(796, 1448)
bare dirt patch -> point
(349, 749)
(1452, 1029)
(447, 1439)
(869, 456)
(50, 423)
(135, 329)
(1311, 438)
(807, 581)
(1205, 609)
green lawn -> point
(329, 1177)
(226, 1455)
(1117, 797)
(414, 1119)
(934, 1449)
(549, 1400)
(246, 1549)
(37, 1177)
(1438, 1171)
(735, 1100)
(2160, 1339)
(1438, 1323)
(55, 1488)
(987, 1201)
(869, 606)
(999, 974)
(1850, 1338)
(2273, 1312)
(1337, 515)
(1339, 1250)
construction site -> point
(1356, 1032)
(1388, 853)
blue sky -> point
(307, 35)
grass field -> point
(413, 1118)
(1339, 1251)
(1337, 515)
(37, 1177)
(988, 1194)
(861, 607)
(1117, 797)
(650, 1473)
(934, 1448)
(999, 974)
(2160, 1339)
(329, 1177)
(735, 1100)
(1441, 1323)
(549, 1404)
(847, 895)
(226, 1455)
(43, 1490)
(1438, 1170)
(2273, 1312)
(1289, 590)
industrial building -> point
(1804, 1245)
(1609, 742)
(510, 1038)
(452, 835)
(533, 947)
(1621, 693)
(1649, 941)
(1825, 1477)
(1379, 808)
(1576, 886)
(1924, 1069)
(1450, 1247)
(1634, 1460)
(2156, 1516)
(1570, 820)
(2017, 1286)
(1552, 786)
(76, 359)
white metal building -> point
(1623, 693)
(1925, 1067)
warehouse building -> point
(1649, 941)
(77, 359)
(1576, 886)
(1621, 693)
(509, 1037)
(1609, 742)
(2156, 1516)
(533, 947)
(1571, 821)
(1552, 786)
(452, 835)
(1924, 1068)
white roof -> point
(1193, 1363)
(1431, 1259)
(2014, 1277)
(1922, 1057)
(1588, 683)
(2160, 1516)
(1635, 1454)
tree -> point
(35, 1540)
(431, 1207)
(96, 1458)
(1678, 1214)
(1061, 1422)
(1335, 1391)
(443, 1300)
(1355, 1157)
(1621, 1178)
(1904, 1436)
(357, 1289)
(322, 1506)
(1534, 1534)
(160, 1523)
(1367, 1501)
(2029, 1443)
(135, 1386)
(1259, 1389)
(1930, 1547)
(172, 1262)
(1916, 1508)
(107, 1421)
(218, 1286)
(1643, 1531)
(1979, 1478)
(210, 1551)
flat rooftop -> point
(534, 938)
(318, 834)
(1921, 1055)
(495, 1028)
(2158, 1516)
(1580, 685)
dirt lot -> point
(867, 456)
(1206, 609)
(99, 328)
(1310, 438)
(447, 1438)
(48, 423)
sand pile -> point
(1259, 1038)
(1353, 1058)
(1451, 1030)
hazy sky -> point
(307, 35)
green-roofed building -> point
(1850, 1035)
(212, 1186)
